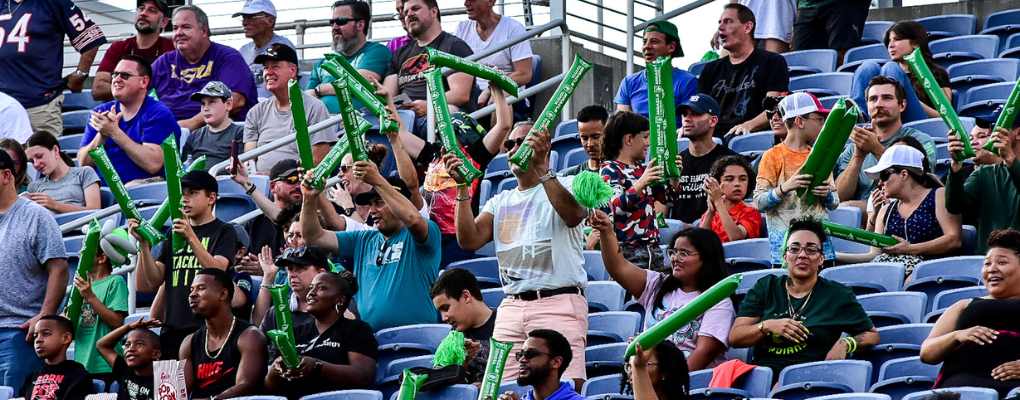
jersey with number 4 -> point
(32, 46)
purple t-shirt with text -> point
(175, 79)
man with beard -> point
(258, 17)
(150, 19)
(546, 355)
(351, 21)
(406, 71)
(264, 229)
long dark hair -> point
(713, 262)
(914, 32)
(676, 382)
(20, 178)
(47, 141)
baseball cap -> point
(304, 255)
(700, 103)
(200, 180)
(668, 29)
(242, 235)
(160, 4)
(905, 157)
(255, 7)
(278, 52)
(6, 162)
(988, 120)
(771, 102)
(283, 169)
(800, 103)
(366, 198)
(468, 130)
(213, 89)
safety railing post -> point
(629, 56)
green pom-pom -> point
(591, 191)
(451, 350)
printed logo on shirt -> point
(722, 90)
(327, 343)
(136, 391)
(209, 373)
(187, 266)
(392, 253)
(45, 387)
(190, 74)
(413, 69)
(687, 334)
(532, 258)
(88, 317)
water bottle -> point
(187, 163)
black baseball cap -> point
(6, 162)
(200, 180)
(278, 52)
(304, 255)
(988, 120)
(160, 4)
(700, 103)
(366, 198)
(283, 169)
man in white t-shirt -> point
(484, 29)
(14, 122)
(539, 248)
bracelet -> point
(318, 93)
(251, 189)
(267, 286)
(851, 344)
(780, 190)
(462, 198)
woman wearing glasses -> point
(657, 374)
(916, 216)
(335, 353)
(696, 256)
(799, 317)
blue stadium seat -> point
(937, 129)
(874, 31)
(106, 196)
(228, 186)
(942, 160)
(1011, 47)
(70, 144)
(485, 192)
(802, 381)
(408, 341)
(303, 78)
(230, 206)
(6, 392)
(854, 396)
(750, 248)
(896, 341)
(950, 25)
(574, 157)
(868, 278)
(1013, 393)
(75, 121)
(946, 298)
(604, 296)
(604, 359)
(684, 143)
(740, 265)
(902, 376)
(954, 50)
(612, 327)
(894, 308)
(595, 266)
(969, 246)
(506, 184)
(391, 382)
(696, 68)
(856, 56)
(752, 277)
(1002, 24)
(455, 392)
(966, 393)
(756, 385)
(155, 191)
(849, 216)
(79, 101)
(568, 127)
(609, 384)
(969, 74)
(758, 141)
(487, 250)
(563, 144)
(98, 386)
(73, 244)
(984, 99)
(824, 84)
(829, 101)
(933, 276)
(498, 169)
(485, 269)
(665, 234)
(806, 62)
(492, 297)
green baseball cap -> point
(668, 29)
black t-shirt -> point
(691, 204)
(331, 346)
(740, 88)
(262, 232)
(220, 239)
(214, 375)
(300, 320)
(410, 62)
(476, 366)
(244, 282)
(132, 385)
(67, 380)
(484, 332)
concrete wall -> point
(980, 8)
(597, 87)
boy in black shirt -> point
(133, 371)
(458, 298)
(60, 378)
(210, 243)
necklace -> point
(232, 322)
(789, 299)
(10, 10)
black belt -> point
(533, 295)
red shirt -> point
(129, 46)
(742, 215)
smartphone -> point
(234, 149)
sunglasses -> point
(293, 252)
(123, 75)
(885, 175)
(344, 168)
(342, 21)
(771, 113)
(529, 354)
(512, 143)
(290, 180)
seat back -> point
(622, 324)
(985, 46)
(906, 334)
(908, 304)
(565, 128)
(230, 206)
(941, 26)
(946, 298)
(696, 68)
(757, 141)
(874, 31)
(966, 393)
(880, 277)
(493, 297)
(908, 366)
(878, 52)
(595, 266)
(605, 296)
(854, 373)
(969, 266)
(427, 335)
(824, 84)
(1004, 68)
(397, 366)
(485, 269)
(752, 277)
(455, 392)
(750, 248)
(812, 61)
(574, 157)
(609, 384)
(854, 396)
(993, 91)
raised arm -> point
(312, 232)
(472, 233)
(628, 275)
(107, 344)
(398, 204)
(562, 200)
(268, 207)
(504, 117)
(149, 272)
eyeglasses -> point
(810, 250)
(290, 180)
(627, 368)
(885, 175)
(123, 75)
(512, 143)
(672, 253)
(529, 354)
(342, 21)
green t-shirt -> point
(113, 293)
(372, 56)
(832, 310)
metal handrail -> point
(276, 144)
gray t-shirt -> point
(69, 190)
(266, 123)
(249, 52)
(215, 146)
(30, 237)
(866, 185)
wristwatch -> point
(547, 176)
(318, 366)
(349, 211)
(82, 74)
(318, 93)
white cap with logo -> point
(256, 6)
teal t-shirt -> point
(113, 293)
(832, 309)
(394, 275)
(372, 56)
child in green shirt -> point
(104, 307)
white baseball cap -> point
(800, 103)
(905, 157)
(255, 7)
